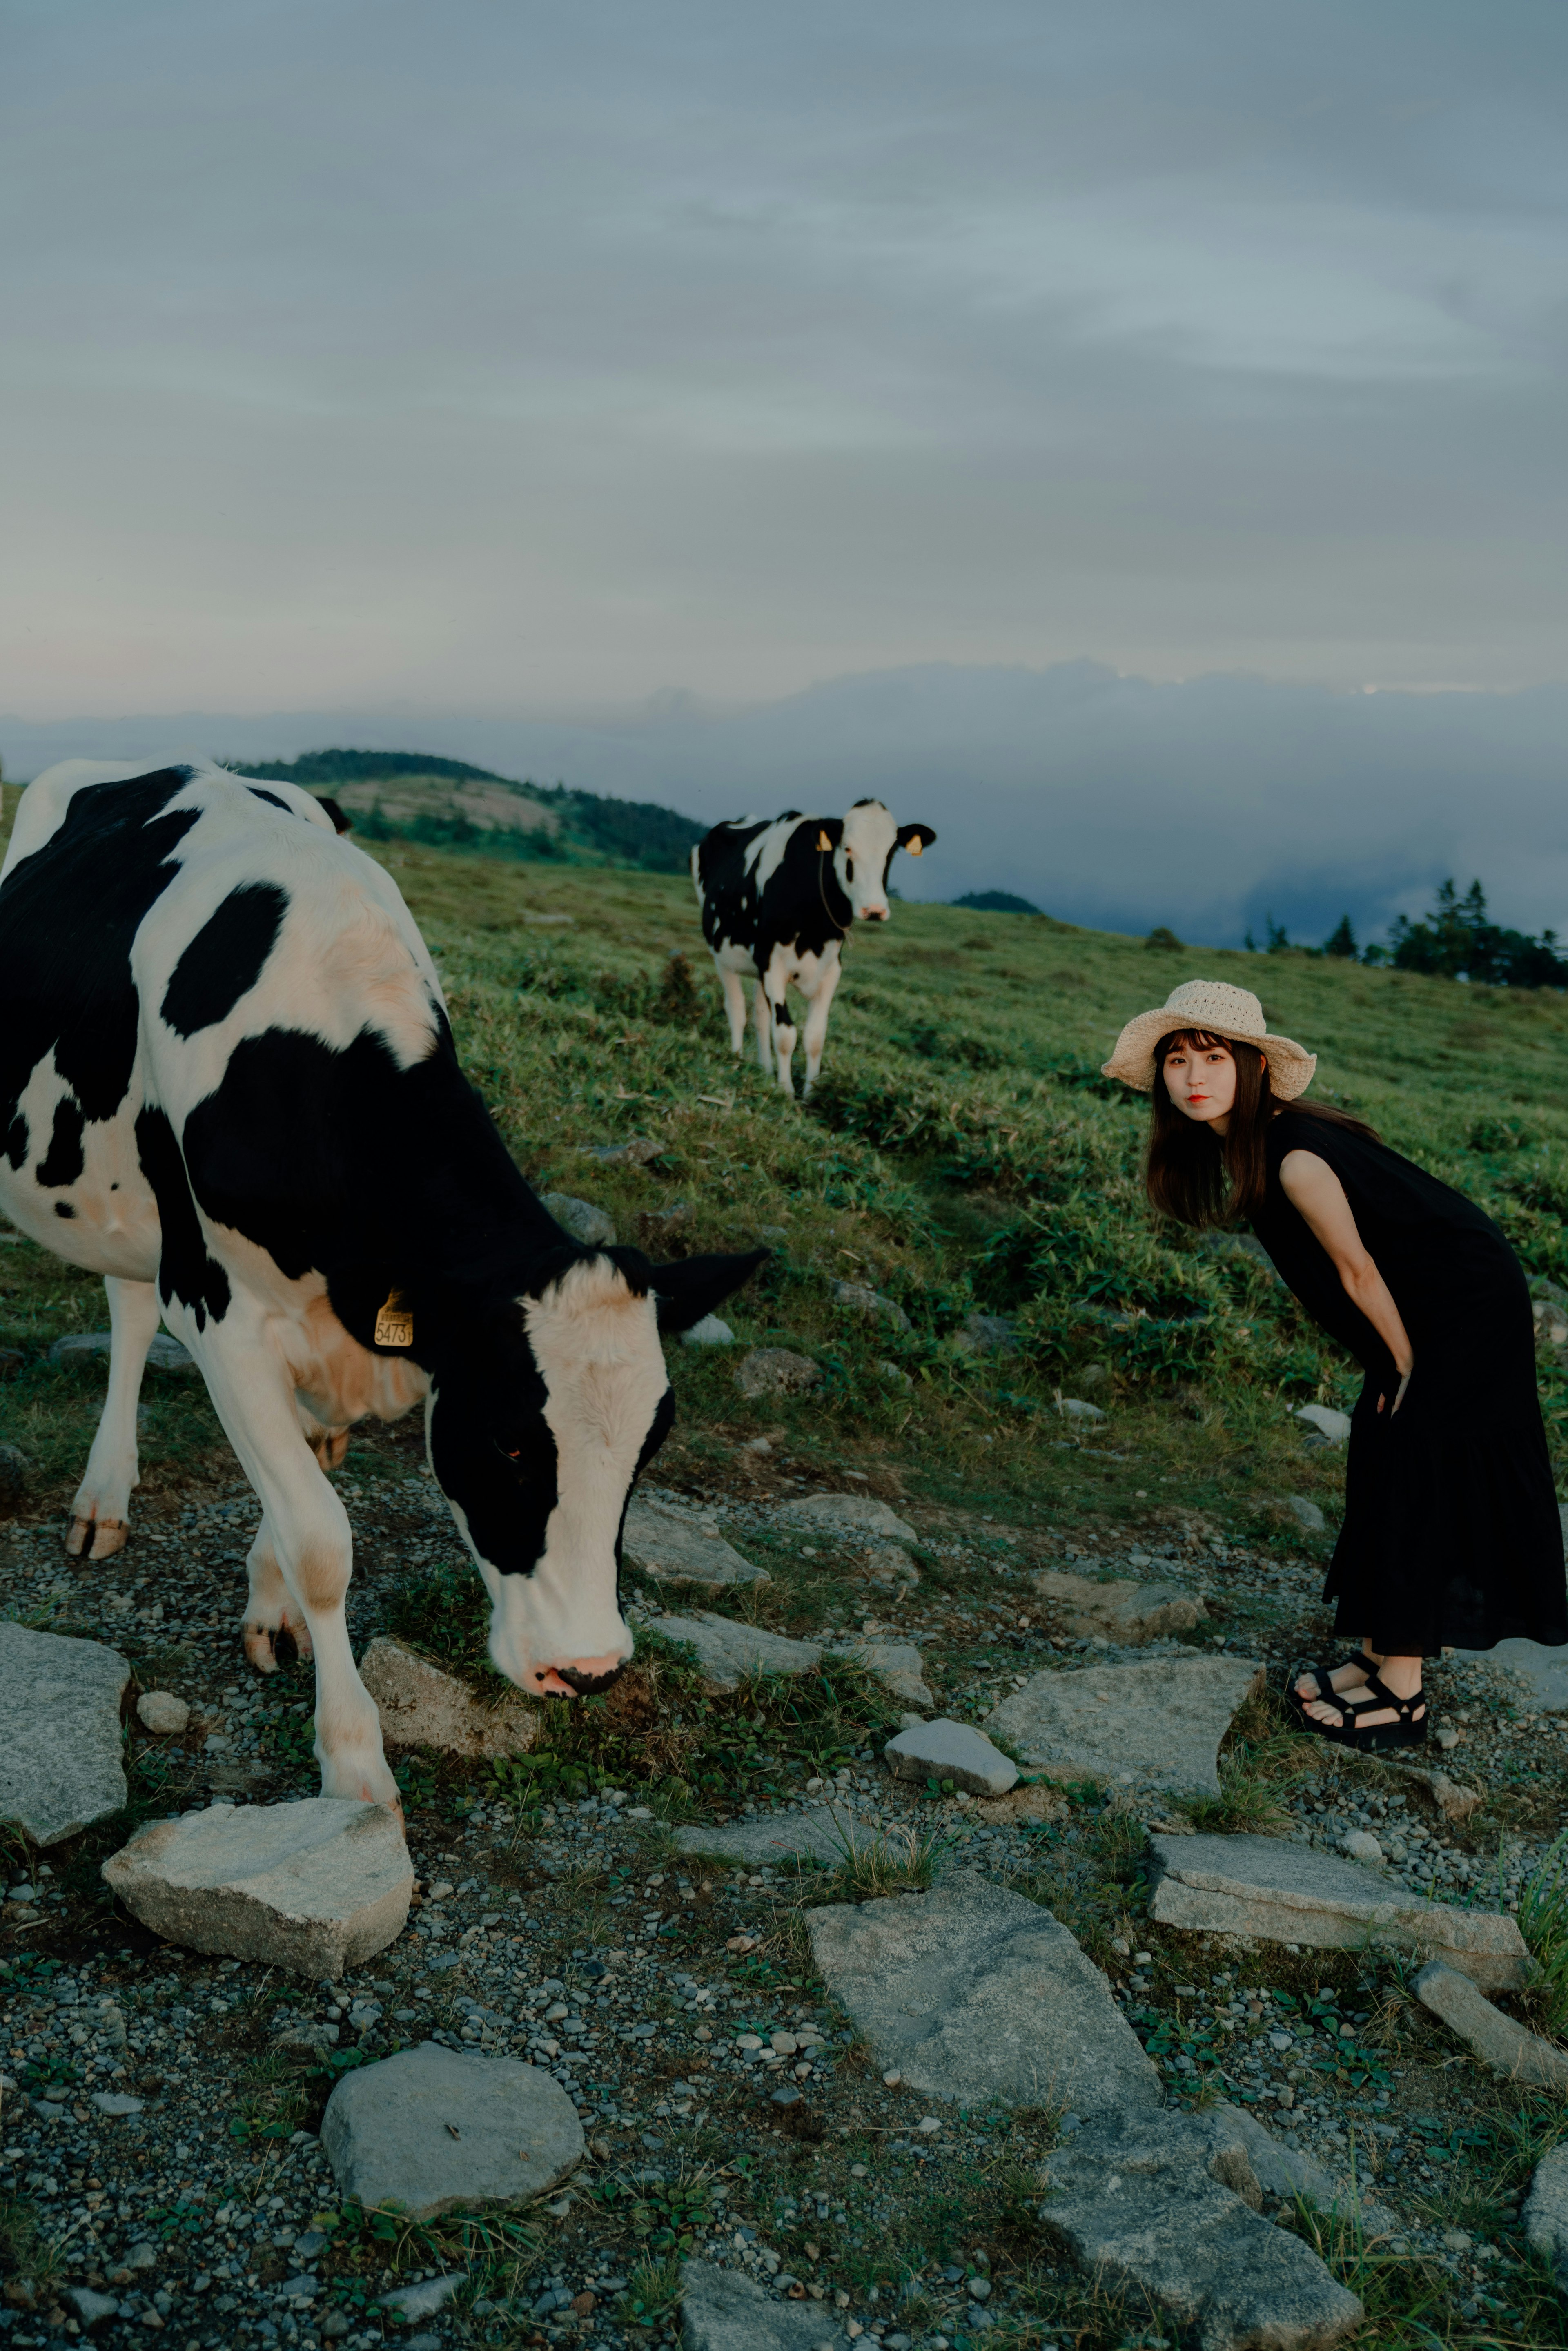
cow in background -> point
(779, 896)
(228, 1084)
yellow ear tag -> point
(915, 846)
(823, 840)
(394, 1323)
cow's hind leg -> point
(784, 1040)
(735, 1006)
(102, 1506)
(305, 1532)
(271, 1608)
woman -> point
(1451, 1533)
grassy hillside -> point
(963, 1154)
(445, 803)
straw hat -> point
(1220, 1010)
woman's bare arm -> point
(1311, 1187)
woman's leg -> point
(1344, 1677)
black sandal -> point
(1326, 1693)
(1406, 1732)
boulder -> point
(1334, 1426)
(774, 1372)
(1165, 2208)
(165, 1355)
(640, 1151)
(1129, 1612)
(821, 1836)
(1075, 1408)
(1281, 1891)
(61, 1749)
(725, 2310)
(1495, 2039)
(986, 1334)
(1285, 2172)
(1157, 1725)
(728, 1653)
(897, 1666)
(858, 1298)
(677, 1547)
(849, 1514)
(1545, 2215)
(1545, 1670)
(420, 1705)
(1306, 1514)
(163, 1714)
(977, 1995)
(314, 1886)
(711, 1331)
(581, 1219)
(951, 1750)
(435, 2130)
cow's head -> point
(537, 1435)
(862, 844)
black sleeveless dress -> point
(1451, 1533)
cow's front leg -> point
(762, 1016)
(305, 1533)
(103, 1507)
(815, 1030)
(733, 1005)
(271, 1607)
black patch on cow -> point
(340, 821)
(69, 914)
(64, 1208)
(185, 1270)
(17, 1140)
(65, 1158)
(226, 957)
(491, 1448)
(270, 796)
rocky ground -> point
(162, 2168)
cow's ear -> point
(914, 838)
(687, 1291)
(829, 832)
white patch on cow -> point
(861, 860)
(766, 854)
(597, 1347)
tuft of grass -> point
(652, 2292)
(887, 1861)
(1543, 1923)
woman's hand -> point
(1404, 1384)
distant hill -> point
(447, 803)
(994, 902)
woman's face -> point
(1201, 1081)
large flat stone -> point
(728, 1653)
(1166, 2208)
(165, 1355)
(436, 2130)
(1496, 2039)
(849, 1514)
(1285, 1893)
(976, 1994)
(420, 1705)
(1546, 1670)
(779, 1838)
(1545, 2215)
(62, 1766)
(315, 1885)
(1157, 1725)
(677, 1547)
(1122, 1611)
(725, 2310)
(951, 1750)
(1283, 2172)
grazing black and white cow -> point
(777, 897)
(227, 1084)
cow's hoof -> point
(100, 1538)
(268, 1646)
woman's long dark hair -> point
(1202, 1178)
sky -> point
(584, 363)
